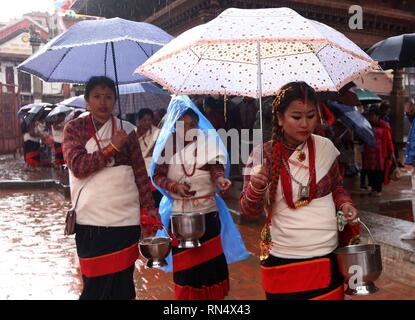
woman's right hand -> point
(259, 176)
(119, 138)
(184, 190)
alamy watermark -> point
(210, 143)
(356, 20)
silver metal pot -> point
(361, 265)
(188, 228)
(155, 250)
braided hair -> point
(288, 93)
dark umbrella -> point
(395, 52)
(37, 111)
(25, 109)
(352, 118)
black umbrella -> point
(395, 52)
(37, 112)
(25, 109)
(353, 119)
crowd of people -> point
(123, 191)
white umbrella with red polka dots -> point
(228, 52)
(254, 52)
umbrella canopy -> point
(38, 111)
(377, 82)
(25, 109)
(395, 52)
(353, 119)
(366, 96)
(253, 52)
(58, 110)
(89, 48)
(75, 102)
(136, 96)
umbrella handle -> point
(116, 82)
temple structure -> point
(381, 18)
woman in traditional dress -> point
(57, 132)
(31, 144)
(147, 135)
(300, 186)
(111, 193)
(194, 166)
(375, 157)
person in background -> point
(31, 144)
(214, 113)
(374, 158)
(410, 158)
(147, 135)
(385, 110)
(57, 132)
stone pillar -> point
(35, 42)
(397, 111)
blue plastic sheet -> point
(232, 243)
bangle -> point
(249, 199)
(108, 151)
(253, 196)
(256, 190)
(114, 147)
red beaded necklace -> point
(194, 165)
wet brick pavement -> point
(38, 262)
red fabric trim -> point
(109, 263)
(30, 158)
(57, 151)
(297, 277)
(152, 187)
(216, 292)
(192, 257)
(336, 294)
(286, 179)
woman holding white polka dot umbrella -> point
(254, 52)
(278, 52)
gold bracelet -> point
(249, 199)
(115, 148)
(257, 190)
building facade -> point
(381, 18)
(15, 47)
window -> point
(25, 82)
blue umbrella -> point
(352, 118)
(113, 47)
(136, 96)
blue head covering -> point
(233, 246)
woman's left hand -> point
(350, 212)
(223, 184)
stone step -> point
(398, 257)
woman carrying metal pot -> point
(300, 187)
(189, 165)
(111, 193)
